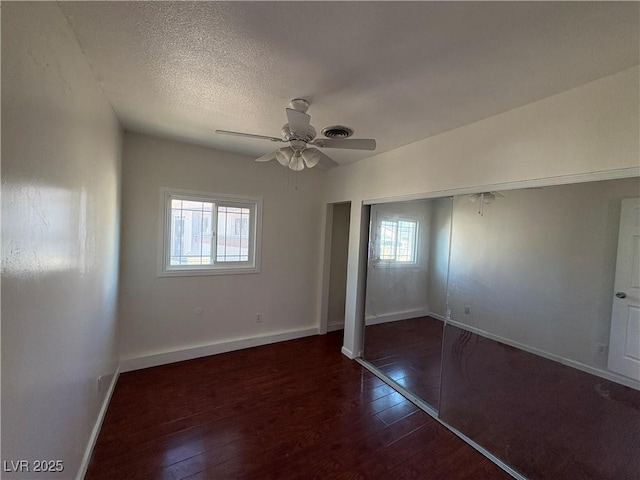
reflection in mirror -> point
(406, 292)
(526, 371)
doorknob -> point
(621, 295)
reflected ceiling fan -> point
(299, 134)
(485, 198)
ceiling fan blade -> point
(249, 135)
(267, 158)
(298, 122)
(326, 162)
(351, 143)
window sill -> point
(413, 266)
(208, 271)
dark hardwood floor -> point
(545, 419)
(296, 409)
(409, 352)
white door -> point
(624, 342)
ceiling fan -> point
(299, 134)
(485, 199)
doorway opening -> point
(336, 256)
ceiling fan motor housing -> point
(299, 104)
(307, 137)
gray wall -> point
(439, 254)
(538, 267)
(338, 268)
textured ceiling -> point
(394, 71)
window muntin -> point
(209, 234)
(397, 241)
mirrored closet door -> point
(407, 270)
(514, 316)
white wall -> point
(538, 267)
(60, 215)
(158, 314)
(592, 128)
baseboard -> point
(613, 377)
(347, 353)
(396, 316)
(333, 328)
(437, 316)
(96, 428)
(189, 353)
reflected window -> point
(397, 239)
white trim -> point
(82, 471)
(537, 182)
(337, 326)
(396, 316)
(347, 353)
(326, 269)
(128, 364)
(628, 382)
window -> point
(397, 241)
(206, 234)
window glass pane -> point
(397, 241)
(233, 234)
(406, 241)
(190, 236)
(387, 240)
(194, 222)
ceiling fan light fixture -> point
(488, 198)
(284, 155)
(296, 164)
(299, 134)
(311, 157)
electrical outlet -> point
(467, 309)
(258, 318)
(601, 348)
(100, 384)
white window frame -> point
(254, 204)
(379, 262)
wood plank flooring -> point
(545, 419)
(292, 410)
(408, 352)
